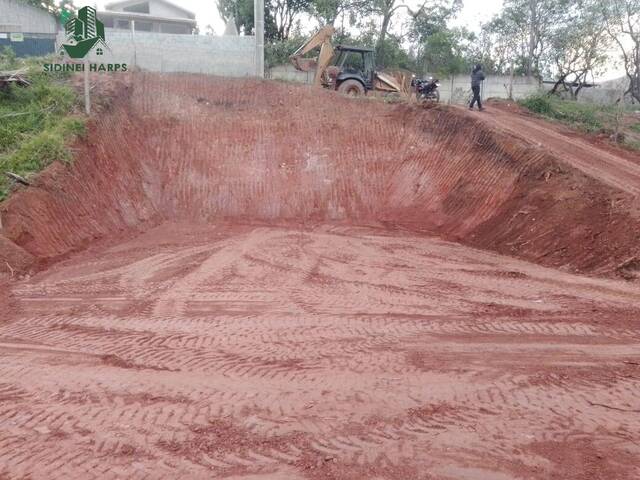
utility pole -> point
(533, 38)
(87, 99)
(258, 15)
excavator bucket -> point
(304, 64)
(386, 82)
(398, 80)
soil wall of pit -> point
(202, 149)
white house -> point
(26, 29)
(158, 16)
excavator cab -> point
(354, 63)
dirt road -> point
(214, 302)
(605, 166)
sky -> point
(473, 13)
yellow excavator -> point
(349, 70)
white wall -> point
(161, 52)
(29, 19)
(458, 88)
(289, 73)
(607, 93)
(452, 90)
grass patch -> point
(635, 127)
(583, 116)
(633, 144)
(36, 122)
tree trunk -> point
(582, 79)
(634, 84)
(532, 34)
(557, 84)
(511, 82)
(386, 19)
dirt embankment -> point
(203, 149)
(289, 317)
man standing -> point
(477, 76)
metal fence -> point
(30, 45)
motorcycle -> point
(426, 90)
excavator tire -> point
(352, 88)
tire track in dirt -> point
(285, 347)
(193, 154)
(314, 333)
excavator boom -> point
(321, 39)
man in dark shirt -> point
(477, 76)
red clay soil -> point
(590, 153)
(252, 280)
(191, 148)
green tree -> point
(521, 32)
(279, 16)
(578, 46)
(277, 52)
(52, 6)
(241, 11)
(446, 52)
(440, 49)
(622, 19)
(284, 14)
(328, 11)
(505, 40)
(392, 51)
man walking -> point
(477, 76)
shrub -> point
(71, 127)
(278, 52)
(538, 103)
(38, 152)
(7, 59)
(584, 116)
(35, 122)
(633, 144)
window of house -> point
(144, 26)
(123, 24)
(138, 8)
(174, 28)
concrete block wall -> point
(607, 93)
(289, 73)
(600, 96)
(452, 90)
(232, 56)
(457, 89)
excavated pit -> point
(260, 281)
(197, 149)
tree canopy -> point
(52, 6)
(567, 41)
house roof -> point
(145, 17)
(124, 3)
